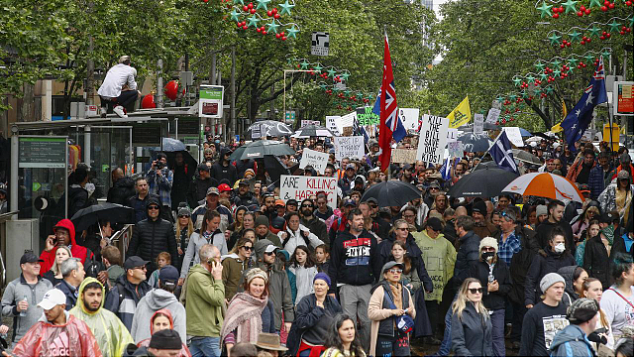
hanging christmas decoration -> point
(584, 35)
(555, 8)
(264, 16)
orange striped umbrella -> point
(545, 185)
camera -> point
(160, 165)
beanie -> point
(256, 273)
(488, 241)
(549, 280)
(166, 339)
(541, 210)
(582, 310)
(324, 277)
(262, 220)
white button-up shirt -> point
(117, 77)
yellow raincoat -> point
(111, 334)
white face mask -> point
(559, 248)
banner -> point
(301, 187)
(332, 124)
(492, 115)
(349, 147)
(455, 149)
(432, 139)
(405, 156)
(315, 159)
(409, 118)
(478, 123)
(366, 117)
(307, 122)
(461, 114)
(514, 136)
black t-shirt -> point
(540, 326)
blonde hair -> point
(190, 229)
(461, 301)
(57, 270)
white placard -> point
(315, 159)
(308, 122)
(348, 120)
(301, 187)
(455, 149)
(453, 134)
(492, 115)
(333, 124)
(319, 43)
(409, 118)
(478, 123)
(514, 136)
(349, 147)
(432, 139)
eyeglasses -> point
(373, 206)
(395, 270)
(183, 216)
(248, 248)
(153, 207)
(475, 290)
(402, 228)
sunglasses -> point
(248, 248)
(395, 270)
(153, 207)
(307, 206)
(402, 228)
(184, 216)
(270, 253)
(475, 290)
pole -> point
(90, 65)
(159, 96)
(232, 116)
(284, 90)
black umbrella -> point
(172, 145)
(260, 149)
(485, 182)
(114, 213)
(392, 193)
(314, 131)
(475, 143)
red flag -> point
(387, 109)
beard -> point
(307, 213)
(89, 308)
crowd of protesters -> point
(220, 265)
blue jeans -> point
(205, 347)
(446, 344)
(498, 332)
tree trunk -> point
(27, 109)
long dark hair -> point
(310, 262)
(333, 339)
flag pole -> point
(488, 149)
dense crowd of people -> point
(220, 265)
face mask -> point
(487, 256)
(559, 248)
(217, 141)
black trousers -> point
(125, 99)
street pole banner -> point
(300, 187)
(455, 149)
(492, 115)
(478, 123)
(514, 136)
(409, 118)
(432, 139)
(349, 147)
(405, 156)
(332, 124)
(315, 159)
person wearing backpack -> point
(122, 300)
(297, 234)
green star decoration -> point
(595, 3)
(575, 36)
(331, 72)
(323, 86)
(512, 97)
(273, 27)
(304, 65)
(556, 63)
(540, 66)
(595, 31)
(572, 61)
(549, 90)
(317, 68)
(537, 91)
(570, 6)
(631, 24)
(543, 76)
(241, 2)
(615, 26)
(545, 10)
(606, 54)
(347, 93)
(554, 38)
(556, 73)
(530, 78)
(234, 15)
(262, 4)
(500, 99)
(517, 81)
(344, 76)
(589, 58)
(292, 31)
(286, 8)
(524, 94)
(253, 21)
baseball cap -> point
(243, 182)
(279, 202)
(584, 188)
(52, 298)
(169, 273)
(479, 207)
(184, 212)
(435, 184)
(350, 203)
(607, 218)
(203, 167)
(134, 261)
(292, 202)
(224, 187)
(435, 224)
(390, 264)
(350, 166)
(30, 258)
(271, 248)
(582, 310)
(212, 191)
(371, 200)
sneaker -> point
(103, 111)
(120, 111)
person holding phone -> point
(63, 235)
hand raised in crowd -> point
(102, 276)
(217, 271)
(180, 282)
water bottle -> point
(23, 313)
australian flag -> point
(501, 152)
(578, 120)
(390, 125)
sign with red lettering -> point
(301, 187)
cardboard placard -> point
(514, 136)
(455, 149)
(334, 125)
(453, 135)
(349, 147)
(409, 118)
(492, 115)
(300, 187)
(315, 159)
(307, 122)
(478, 123)
(432, 139)
(405, 156)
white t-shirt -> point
(117, 77)
(619, 312)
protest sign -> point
(348, 120)
(315, 159)
(406, 156)
(432, 139)
(478, 123)
(366, 117)
(306, 122)
(455, 149)
(301, 187)
(409, 118)
(453, 135)
(514, 136)
(256, 131)
(492, 115)
(333, 124)
(349, 147)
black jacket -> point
(77, 199)
(198, 190)
(121, 191)
(69, 291)
(519, 265)
(543, 233)
(246, 200)
(139, 206)
(540, 266)
(181, 183)
(596, 260)
(220, 172)
(307, 314)
(494, 300)
(151, 237)
(472, 333)
(354, 261)
(619, 245)
(318, 228)
(413, 252)
(466, 256)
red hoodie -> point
(78, 251)
(185, 352)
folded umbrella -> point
(487, 181)
(392, 193)
(545, 185)
(103, 212)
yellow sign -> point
(615, 135)
(461, 114)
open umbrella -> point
(314, 131)
(545, 185)
(269, 128)
(392, 193)
(102, 212)
(172, 145)
(486, 126)
(534, 139)
(522, 156)
(260, 149)
(524, 132)
(475, 142)
(486, 182)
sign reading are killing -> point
(432, 139)
(301, 187)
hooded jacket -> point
(354, 260)
(110, 333)
(520, 263)
(185, 352)
(205, 299)
(151, 237)
(572, 342)
(279, 293)
(296, 238)
(121, 191)
(15, 291)
(71, 339)
(472, 333)
(196, 242)
(569, 291)
(155, 300)
(540, 266)
(596, 260)
(439, 257)
(79, 252)
(132, 294)
(220, 172)
(233, 269)
(466, 256)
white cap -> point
(271, 248)
(52, 298)
(556, 145)
(533, 144)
